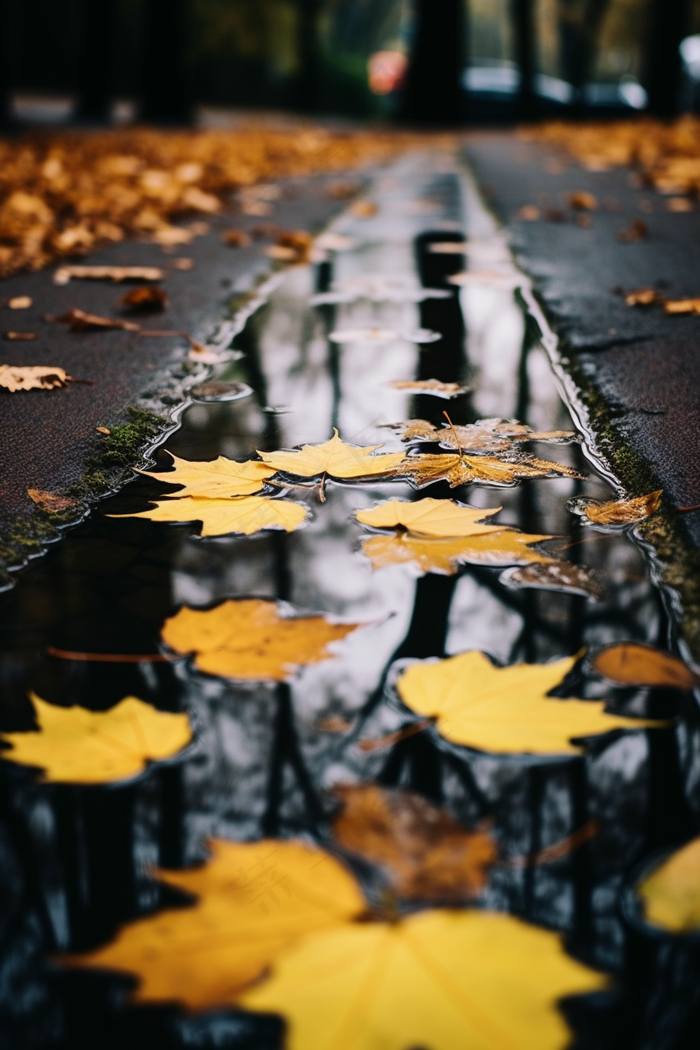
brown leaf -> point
(629, 663)
(145, 299)
(236, 238)
(620, 512)
(582, 200)
(681, 306)
(107, 273)
(425, 853)
(20, 337)
(463, 469)
(429, 386)
(79, 321)
(636, 231)
(183, 263)
(554, 576)
(50, 502)
(642, 297)
(32, 377)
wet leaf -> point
(636, 231)
(618, 512)
(252, 639)
(64, 274)
(145, 299)
(505, 710)
(214, 478)
(183, 263)
(76, 746)
(253, 899)
(79, 321)
(32, 377)
(681, 306)
(424, 851)
(642, 297)
(19, 302)
(447, 980)
(429, 386)
(430, 517)
(364, 335)
(221, 517)
(333, 458)
(629, 663)
(445, 555)
(487, 278)
(671, 893)
(554, 576)
(486, 435)
(20, 337)
(487, 470)
(582, 200)
(50, 502)
(236, 238)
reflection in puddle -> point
(264, 757)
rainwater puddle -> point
(75, 861)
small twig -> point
(586, 539)
(555, 852)
(452, 427)
(109, 658)
(395, 738)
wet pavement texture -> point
(642, 363)
(75, 861)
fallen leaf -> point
(642, 297)
(50, 502)
(145, 299)
(333, 724)
(77, 746)
(103, 430)
(297, 242)
(426, 854)
(629, 663)
(334, 242)
(236, 238)
(554, 575)
(221, 517)
(364, 209)
(252, 639)
(671, 893)
(447, 980)
(217, 477)
(636, 231)
(487, 470)
(20, 337)
(489, 278)
(19, 302)
(445, 555)
(334, 459)
(364, 335)
(681, 306)
(447, 247)
(505, 710)
(183, 263)
(429, 386)
(679, 205)
(253, 899)
(620, 512)
(529, 213)
(32, 377)
(430, 517)
(107, 273)
(582, 200)
(390, 739)
(79, 321)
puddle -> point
(75, 861)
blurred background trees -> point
(430, 60)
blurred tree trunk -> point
(668, 24)
(580, 24)
(308, 48)
(524, 26)
(434, 92)
(165, 80)
(95, 61)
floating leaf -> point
(462, 469)
(145, 299)
(425, 852)
(50, 502)
(629, 663)
(364, 335)
(488, 278)
(671, 894)
(618, 512)
(333, 458)
(77, 746)
(554, 575)
(430, 517)
(447, 980)
(216, 477)
(221, 517)
(64, 274)
(505, 710)
(32, 377)
(429, 386)
(486, 435)
(254, 898)
(79, 321)
(252, 639)
(445, 555)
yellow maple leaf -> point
(217, 477)
(430, 517)
(77, 746)
(448, 980)
(505, 710)
(335, 459)
(671, 893)
(252, 639)
(444, 555)
(220, 517)
(254, 898)
(461, 469)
